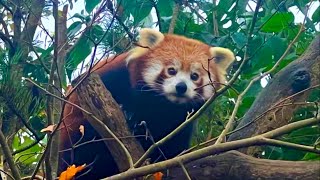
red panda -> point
(157, 82)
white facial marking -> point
(207, 90)
(155, 68)
(151, 73)
(169, 87)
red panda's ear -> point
(149, 38)
(222, 56)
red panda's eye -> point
(194, 76)
(172, 71)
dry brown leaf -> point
(49, 128)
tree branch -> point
(6, 6)
(35, 11)
(278, 143)
(97, 122)
(7, 154)
(297, 76)
(174, 18)
(237, 166)
(56, 72)
(230, 123)
(99, 101)
(214, 149)
(215, 20)
(7, 40)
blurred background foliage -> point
(112, 27)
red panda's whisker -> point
(200, 97)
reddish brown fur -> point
(185, 50)
(110, 63)
(175, 47)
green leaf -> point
(79, 53)
(314, 95)
(262, 58)
(28, 156)
(74, 28)
(79, 16)
(165, 8)
(316, 15)
(96, 32)
(81, 50)
(311, 157)
(239, 39)
(278, 22)
(269, 53)
(278, 46)
(139, 9)
(91, 4)
(246, 104)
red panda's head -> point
(176, 67)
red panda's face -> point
(179, 82)
(180, 69)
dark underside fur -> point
(160, 115)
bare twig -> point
(7, 40)
(28, 146)
(254, 120)
(163, 140)
(20, 116)
(7, 154)
(51, 158)
(6, 173)
(196, 11)
(229, 125)
(37, 177)
(4, 26)
(92, 116)
(157, 13)
(99, 140)
(278, 143)
(215, 149)
(184, 170)
(6, 7)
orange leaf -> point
(48, 129)
(71, 172)
(81, 129)
(158, 176)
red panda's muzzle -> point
(181, 88)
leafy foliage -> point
(114, 29)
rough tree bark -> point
(237, 166)
(297, 76)
(97, 99)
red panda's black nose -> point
(181, 88)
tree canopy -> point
(273, 84)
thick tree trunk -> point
(296, 77)
(237, 166)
